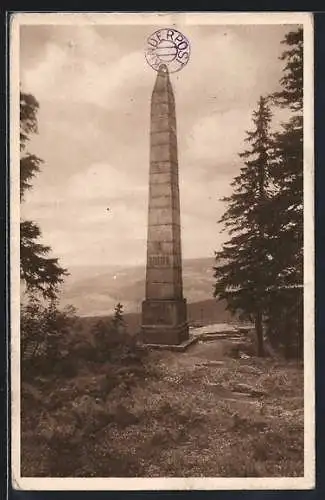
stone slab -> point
(162, 177)
(175, 347)
(209, 337)
(163, 291)
(164, 275)
(163, 315)
(163, 152)
(161, 247)
(163, 167)
(159, 137)
(217, 329)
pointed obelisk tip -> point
(162, 81)
(163, 69)
(162, 73)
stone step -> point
(174, 347)
(231, 338)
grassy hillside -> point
(200, 413)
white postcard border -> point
(180, 19)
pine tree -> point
(244, 266)
(29, 163)
(40, 272)
(118, 319)
(285, 315)
(291, 93)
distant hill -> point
(94, 291)
(198, 314)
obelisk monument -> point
(164, 319)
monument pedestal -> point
(164, 322)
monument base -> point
(164, 322)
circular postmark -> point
(168, 47)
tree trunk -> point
(259, 334)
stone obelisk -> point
(164, 319)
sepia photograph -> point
(162, 251)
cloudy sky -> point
(94, 86)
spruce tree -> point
(118, 319)
(244, 266)
(285, 315)
(39, 272)
(29, 163)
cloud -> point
(81, 69)
(102, 180)
(79, 224)
(94, 89)
(217, 138)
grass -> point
(200, 413)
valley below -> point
(94, 291)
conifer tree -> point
(285, 315)
(287, 165)
(40, 272)
(244, 266)
(29, 163)
(118, 319)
